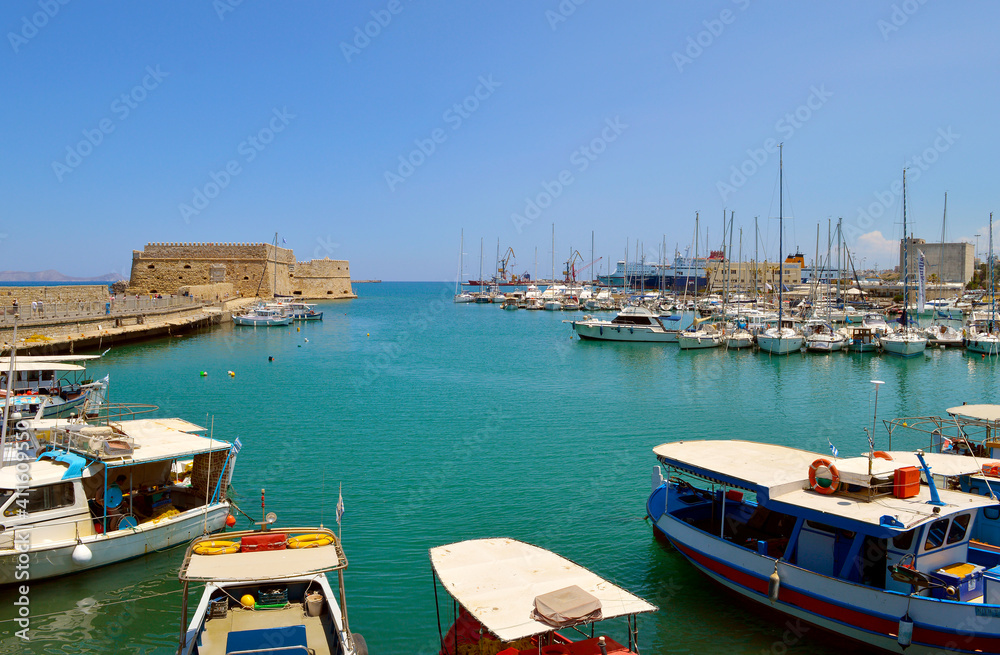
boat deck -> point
(215, 636)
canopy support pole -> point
(184, 618)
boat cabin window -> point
(935, 534)
(992, 513)
(39, 499)
(815, 525)
(903, 541)
(959, 526)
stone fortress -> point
(244, 269)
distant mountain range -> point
(53, 276)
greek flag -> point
(340, 505)
(922, 281)
(871, 442)
(833, 449)
(237, 445)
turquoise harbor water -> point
(451, 422)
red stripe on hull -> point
(856, 618)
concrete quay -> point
(62, 335)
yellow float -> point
(310, 541)
(216, 548)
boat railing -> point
(120, 412)
(938, 433)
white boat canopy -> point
(5, 361)
(989, 413)
(498, 580)
(780, 476)
(265, 564)
(41, 366)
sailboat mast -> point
(480, 265)
(993, 297)
(906, 293)
(781, 234)
(944, 221)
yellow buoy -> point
(248, 601)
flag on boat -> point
(237, 444)
(833, 449)
(945, 443)
(922, 281)
(871, 441)
(340, 504)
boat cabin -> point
(862, 520)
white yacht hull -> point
(987, 345)
(607, 332)
(904, 347)
(695, 341)
(779, 345)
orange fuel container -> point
(906, 483)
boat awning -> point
(262, 565)
(5, 361)
(41, 366)
(165, 438)
(497, 581)
(989, 413)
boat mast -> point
(944, 221)
(461, 247)
(993, 297)
(553, 254)
(274, 286)
(905, 256)
(781, 235)
(480, 265)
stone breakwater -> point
(52, 336)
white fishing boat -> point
(461, 295)
(263, 316)
(102, 494)
(860, 339)
(857, 546)
(301, 311)
(634, 323)
(518, 599)
(266, 592)
(50, 386)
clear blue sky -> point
(311, 117)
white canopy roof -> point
(262, 565)
(978, 412)
(497, 580)
(157, 439)
(781, 474)
(48, 358)
(40, 366)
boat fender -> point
(216, 548)
(82, 554)
(818, 485)
(309, 541)
(905, 632)
(602, 331)
(631, 331)
(881, 454)
(774, 585)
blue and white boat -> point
(263, 316)
(857, 546)
(301, 311)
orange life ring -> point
(834, 474)
(881, 454)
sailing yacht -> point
(906, 341)
(982, 335)
(783, 338)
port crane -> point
(571, 271)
